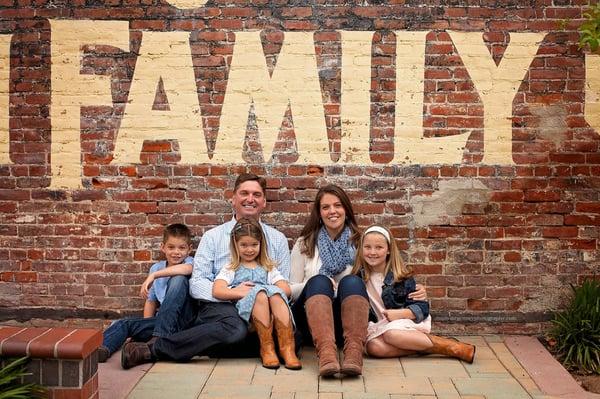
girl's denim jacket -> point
(395, 296)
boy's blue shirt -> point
(159, 287)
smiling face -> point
(248, 200)
(375, 250)
(176, 249)
(332, 214)
(249, 249)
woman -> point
(321, 265)
(330, 304)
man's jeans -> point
(215, 331)
(176, 312)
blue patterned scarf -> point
(335, 255)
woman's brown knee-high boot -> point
(355, 320)
(452, 348)
(319, 314)
(267, 345)
(287, 345)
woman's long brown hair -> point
(310, 231)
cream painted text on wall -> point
(251, 88)
(4, 92)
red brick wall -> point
(499, 255)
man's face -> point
(248, 200)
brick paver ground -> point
(496, 373)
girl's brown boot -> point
(287, 345)
(452, 348)
(267, 345)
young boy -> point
(166, 289)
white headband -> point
(380, 230)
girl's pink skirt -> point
(376, 329)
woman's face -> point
(332, 214)
(375, 250)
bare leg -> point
(408, 340)
(261, 318)
(379, 348)
(279, 308)
(261, 310)
(285, 332)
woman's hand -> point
(333, 283)
(146, 285)
(420, 294)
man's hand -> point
(420, 294)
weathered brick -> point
(541, 210)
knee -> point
(276, 299)
(261, 298)
(319, 285)
(352, 285)
(236, 330)
(389, 335)
(178, 283)
(375, 349)
(352, 281)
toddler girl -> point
(403, 324)
(261, 293)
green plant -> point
(576, 330)
(10, 382)
(589, 31)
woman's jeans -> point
(322, 285)
(176, 312)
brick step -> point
(65, 360)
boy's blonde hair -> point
(394, 261)
(247, 227)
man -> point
(217, 326)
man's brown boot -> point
(452, 348)
(287, 345)
(355, 320)
(267, 345)
(319, 314)
(134, 353)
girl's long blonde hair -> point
(251, 228)
(394, 261)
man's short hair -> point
(244, 177)
(178, 230)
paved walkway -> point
(511, 367)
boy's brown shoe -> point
(134, 353)
(103, 354)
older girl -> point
(403, 324)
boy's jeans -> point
(176, 312)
